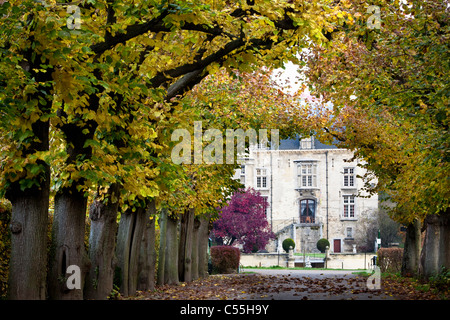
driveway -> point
(312, 285)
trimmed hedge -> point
(225, 259)
(390, 259)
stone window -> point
(349, 206)
(261, 178)
(307, 175)
(266, 207)
(349, 177)
(242, 175)
(349, 233)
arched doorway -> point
(307, 211)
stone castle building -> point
(314, 191)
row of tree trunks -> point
(133, 254)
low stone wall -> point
(334, 261)
(264, 259)
(349, 260)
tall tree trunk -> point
(436, 247)
(68, 243)
(28, 260)
(162, 246)
(171, 261)
(129, 238)
(139, 227)
(29, 216)
(203, 242)
(29, 220)
(185, 248)
(102, 244)
(70, 209)
(195, 248)
(147, 255)
(411, 253)
(444, 253)
(123, 248)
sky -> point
(289, 75)
(290, 80)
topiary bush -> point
(225, 259)
(322, 244)
(287, 243)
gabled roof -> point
(294, 144)
(320, 145)
(289, 144)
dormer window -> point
(307, 143)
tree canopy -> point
(104, 82)
(390, 92)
